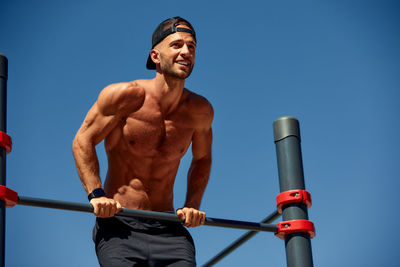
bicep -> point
(202, 136)
(202, 143)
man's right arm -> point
(114, 102)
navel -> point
(136, 184)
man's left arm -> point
(198, 175)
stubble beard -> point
(168, 70)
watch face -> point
(99, 192)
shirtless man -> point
(148, 126)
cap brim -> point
(150, 64)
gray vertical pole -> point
(3, 118)
(290, 169)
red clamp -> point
(5, 141)
(293, 196)
(295, 226)
(10, 197)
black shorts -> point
(123, 242)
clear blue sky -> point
(334, 65)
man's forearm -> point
(87, 165)
(198, 175)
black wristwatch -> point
(98, 192)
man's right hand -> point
(105, 207)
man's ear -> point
(155, 56)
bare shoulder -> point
(200, 107)
(121, 98)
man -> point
(148, 126)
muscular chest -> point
(149, 133)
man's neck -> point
(169, 91)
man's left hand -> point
(191, 217)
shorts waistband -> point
(140, 223)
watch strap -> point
(98, 192)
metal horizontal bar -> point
(74, 206)
(241, 240)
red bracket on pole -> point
(293, 196)
(5, 141)
(295, 226)
(10, 197)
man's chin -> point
(178, 73)
(181, 74)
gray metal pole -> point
(290, 169)
(3, 128)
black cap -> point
(166, 28)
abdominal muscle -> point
(145, 184)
